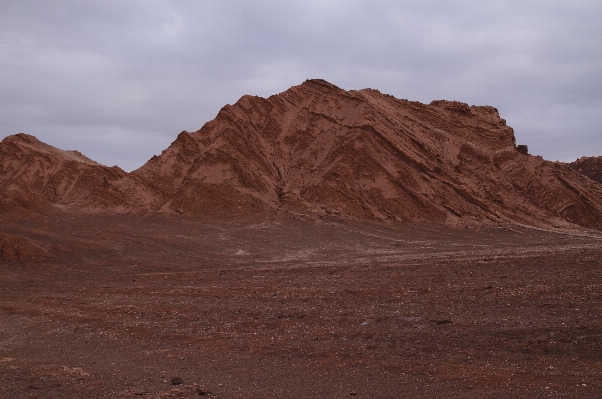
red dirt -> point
(317, 243)
(15, 248)
(287, 308)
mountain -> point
(317, 150)
(590, 167)
(34, 173)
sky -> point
(118, 80)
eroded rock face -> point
(34, 173)
(316, 149)
(362, 154)
(590, 167)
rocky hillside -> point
(590, 167)
(317, 150)
(34, 173)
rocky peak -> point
(316, 150)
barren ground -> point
(284, 308)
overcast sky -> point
(118, 80)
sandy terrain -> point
(283, 308)
(316, 243)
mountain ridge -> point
(316, 150)
(589, 166)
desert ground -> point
(173, 306)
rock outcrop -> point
(319, 150)
(590, 167)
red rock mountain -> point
(590, 167)
(317, 150)
(34, 173)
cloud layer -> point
(118, 80)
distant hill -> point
(589, 166)
(35, 173)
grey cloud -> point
(119, 79)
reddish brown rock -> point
(317, 150)
(34, 173)
(590, 167)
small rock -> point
(523, 149)
(176, 381)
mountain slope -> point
(590, 167)
(34, 173)
(318, 150)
